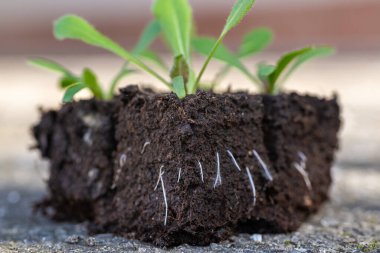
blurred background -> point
(353, 73)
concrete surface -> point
(349, 223)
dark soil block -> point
(255, 153)
(194, 171)
(79, 142)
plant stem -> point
(211, 54)
(116, 79)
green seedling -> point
(269, 78)
(72, 83)
(174, 20)
(175, 17)
(272, 77)
(252, 44)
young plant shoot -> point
(253, 43)
(173, 19)
(72, 83)
(272, 77)
(269, 78)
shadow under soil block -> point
(199, 170)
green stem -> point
(116, 80)
(205, 65)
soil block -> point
(79, 141)
(196, 170)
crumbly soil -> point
(78, 140)
(154, 131)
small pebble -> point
(90, 241)
(256, 237)
(73, 239)
(13, 197)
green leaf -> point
(89, 78)
(155, 58)
(50, 65)
(179, 87)
(205, 45)
(66, 81)
(283, 63)
(175, 17)
(74, 27)
(263, 72)
(239, 11)
(180, 68)
(149, 34)
(255, 42)
(313, 53)
(72, 90)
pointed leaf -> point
(72, 90)
(255, 42)
(90, 79)
(50, 65)
(149, 34)
(74, 27)
(314, 52)
(283, 63)
(263, 72)
(175, 17)
(239, 11)
(66, 81)
(205, 45)
(179, 87)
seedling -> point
(72, 83)
(173, 19)
(253, 43)
(269, 78)
(272, 77)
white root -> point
(165, 199)
(159, 177)
(301, 168)
(145, 144)
(263, 166)
(302, 156)
(122, 160)
(252, 185)
(218, 179)
(179, 174)
(161, 180)
(201, 170)
(233, 160)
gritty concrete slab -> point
(350, 222)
